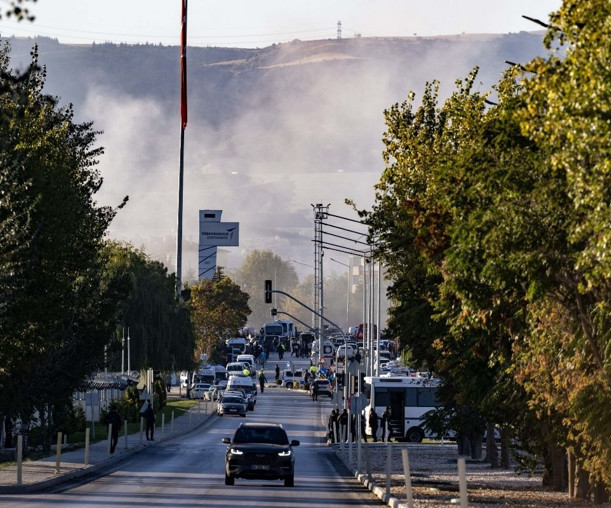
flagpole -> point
(183, 125)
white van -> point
(248, 385)
(235, 368)
(250, 360)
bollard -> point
(162, 423)
(367, 460)
(141, 427)
(408, 480)
(462, 482)
(172, 423)
(58, 454)
(335, 440)
(19, 459)
(87, 446)
(359, 445)
(108, 441)
(125, 427)
(388, 468)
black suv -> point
(260, 451)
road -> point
(189, 470)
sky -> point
(260, 23)
(265, 168)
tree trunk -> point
(8, 432)
(583, 483)
(505, 461)
(492, 453)
(600, 493)
(572, 477)
(558, 459)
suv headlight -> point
(284, 454)
(236, 452)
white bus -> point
(409, 398)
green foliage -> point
(160, 329)
(219, 308)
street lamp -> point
(347, 292)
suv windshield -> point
(271, 435)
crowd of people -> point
(338, 426)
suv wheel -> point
(289, 481)
(229, 480)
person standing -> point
(277, 373)
(343, 424)
(373, 424)
(114, 420)
(262, 380)
(149, 419)
(386, 423)
(363, 428)
(331, 426)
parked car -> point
(260, 451)
(233, 403)
(325, 387)
(198, 390)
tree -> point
(219, 308)
(58, 315)
(256, 268)
(160, 328)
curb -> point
(378, 491)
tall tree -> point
(219, 309)
(56, 323)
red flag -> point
(183, 65)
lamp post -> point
(347, 292)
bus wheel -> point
(414, 435)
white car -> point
(345, 351)
(198, 390)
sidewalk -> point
(41, 474)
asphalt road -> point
(189, 470)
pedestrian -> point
(343, 424)
(315, 390)
(363, 428)
(353, 427)
(149, 419)
(386, 423)
(262, 358)
(262, 380)
(114, 420)
(277, 373)
(332, 425)
(373, 424)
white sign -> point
(219, 234)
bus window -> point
(411, 399)
(382, 398)
(427, 397)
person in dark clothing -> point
(332, 424)
(343, 423)
(363, 428)
(149, 419)
(373, 424)
(315, 390)
(114, 420)
(277, 372)
(386, 423)
(262, 380)
(353, 427)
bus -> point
(409, 399)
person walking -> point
(277, 373)
(114, 420)
(373, 424)
(149, 419)
(262, 380)
(315, 390)
(386, 424)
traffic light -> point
(274, 312)
(268, 291)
